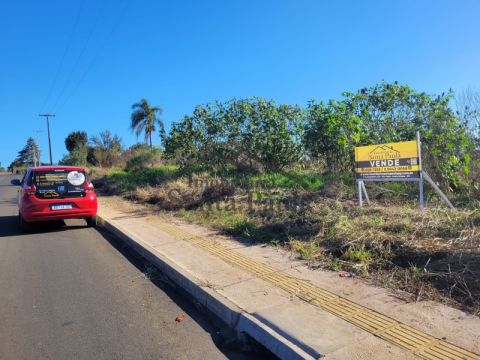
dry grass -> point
(432, 254)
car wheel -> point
(25, 226)
(91, 221)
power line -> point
(62, 60)
(97, 55)
(82, 51)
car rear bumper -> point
(40, 209)
(59, 215)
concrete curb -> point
(233, 316)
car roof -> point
(57, 167)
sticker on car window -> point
(76, 178)
(50, 194)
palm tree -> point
(145, 120)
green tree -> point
(144, 120)
(390, 112)
(76, 157)
(467, 105)
(468, 108)
(76, 139)
(331, 132)
(184, 143)
(77, 145)
(30, 153)
(245, 133)
(274, 134)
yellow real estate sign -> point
(387, 162)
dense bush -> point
(258, 134)
(76, 157)
(331, 132)
(143, 158)
(391, 112)
(253, 133)
(129, 180)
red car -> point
(56, 193)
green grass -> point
(308, 250)
(129, 180)
(358, 255)
(250, 231)
(233, 223)
(287, 180)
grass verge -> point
(432, 254)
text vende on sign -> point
(384, 162)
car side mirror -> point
(16, 182)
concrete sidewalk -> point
(292, 310)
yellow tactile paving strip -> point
(391, 330)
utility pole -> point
(48, 129)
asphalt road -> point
(71, 292)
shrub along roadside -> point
(257, 134)
(252, 133)
(122, 180)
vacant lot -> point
(432, 254)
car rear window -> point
(63, 183)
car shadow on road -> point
(224, 338)
(10, 226)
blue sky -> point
(89, 60)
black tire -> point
(25, 226)
(91, 221)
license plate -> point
(62, 207)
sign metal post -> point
(360, 194)
(420, 180)
(365, 192)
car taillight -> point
(29, 190)
(88, 186)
